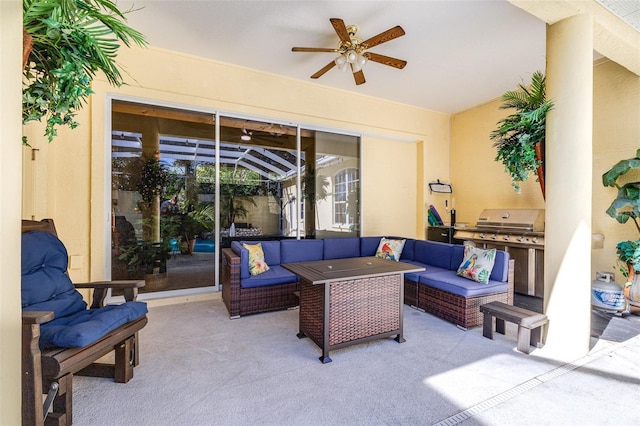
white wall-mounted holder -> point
(439, 187)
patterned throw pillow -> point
(390, 249)
(257, 265)
(477, 263)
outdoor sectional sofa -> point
(437, 290)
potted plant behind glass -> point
(519, 138)
(627, 206)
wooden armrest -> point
(36, 317)
(129, 287)
(112, 284)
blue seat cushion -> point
(449, 281)
(47, 287)
(340, 248)
(85, 327)
(275, 275)
(415, 276)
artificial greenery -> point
(146, 256)
(518, 134)
(152, 182)
(72, 40)
(626, 206)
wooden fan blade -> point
(383, 37)
(341, 29)
(358, 77)
(324, 69)
(313, 49)
(386, 60)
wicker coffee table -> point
(348, 301)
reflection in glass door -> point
(163, 212)
(274, 181)
(335, 202)
(258, 181)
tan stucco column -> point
(568, 175)
(10, 193)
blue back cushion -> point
(408, 250)
(339, 248)
(271, 250)
(47, 287)
(45, 284)
(457, 256)
(433, 253)
(369, 245)
(500, 270)
(301, 250)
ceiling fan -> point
(353, 51)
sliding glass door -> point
(179, 196)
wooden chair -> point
(52, 370)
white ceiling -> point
(460, 53)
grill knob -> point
(494, 236)
(506, 238)
(534, 240)
(482, 235)
(520, 238)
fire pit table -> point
(348, 301)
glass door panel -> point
(334, 205)
(163, 213)
(258, 181)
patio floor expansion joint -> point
(527, 385)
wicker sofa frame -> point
(462, 311)
(245, 301)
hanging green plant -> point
(519, 138)
(69, 42)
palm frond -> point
(72, 41)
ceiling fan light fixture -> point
(353, 52)
(246, 136)
(352, 56)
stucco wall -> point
(75, 167)
(480, 182)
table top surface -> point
(325, 271)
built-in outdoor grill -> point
(519, 232)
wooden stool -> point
(530, 323)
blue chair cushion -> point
(340, 248)
(271, 250)
(369, 245)
(45, 284)
(452, 283)
(47, 287)
(408, 250)
(292, 251)
(85, 327)
(275, 275)
(415, 276)
(433, 253)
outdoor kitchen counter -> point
(349, 301)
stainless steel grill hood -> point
(502, 220)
